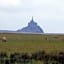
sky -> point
(16, 14)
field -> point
(31, 43)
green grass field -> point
(31, 43)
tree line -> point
(25, 58)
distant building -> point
(31, 28)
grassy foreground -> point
(31, 43)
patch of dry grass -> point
(31, 43)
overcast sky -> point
(49, 14)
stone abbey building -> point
(31, 28)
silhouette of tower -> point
(32, 23)
(31, 28)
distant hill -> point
(31, 28)
(7, 31)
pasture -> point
(31, 43)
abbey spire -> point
(32, 27)
(32, 18)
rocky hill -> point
(31, 28)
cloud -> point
(47, 13)
(15, 5)
(7, 3)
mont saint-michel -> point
(32, 27)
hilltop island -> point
(31, 28)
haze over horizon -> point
(16, 14)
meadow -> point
(31, 43)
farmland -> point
(31, 43)
(32, 48)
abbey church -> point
(31, 28)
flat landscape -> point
(31, 42)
